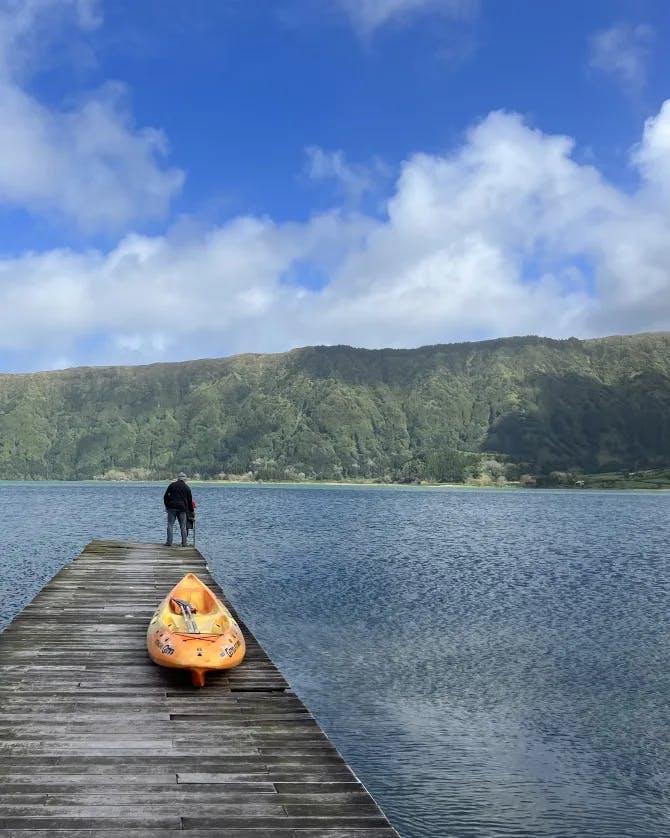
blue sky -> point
(189, 180)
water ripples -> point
(491, 663)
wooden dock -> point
(97, 740)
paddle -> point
(187, 612)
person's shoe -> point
(167, 544)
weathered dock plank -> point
(96, 740)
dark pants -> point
(181, 516)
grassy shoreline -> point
(656, 481)
(649, 480)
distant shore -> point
(648, 480)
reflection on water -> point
(491, 663)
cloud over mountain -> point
(505, 234)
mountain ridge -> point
(432, 346)
(501, 407)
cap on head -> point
(181, 476)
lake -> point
(489, 662)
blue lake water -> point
(490, 663)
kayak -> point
(192, 629)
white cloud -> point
(88, 163)
(368, 15)
(652, 156)
(352, 180)
(506, 234)
(623, 51)
(29, 30)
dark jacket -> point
(178, 497)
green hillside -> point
(447, 412)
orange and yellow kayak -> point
(192, 629)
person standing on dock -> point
(178, 502)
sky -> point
(189, 180)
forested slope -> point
(534, 404)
